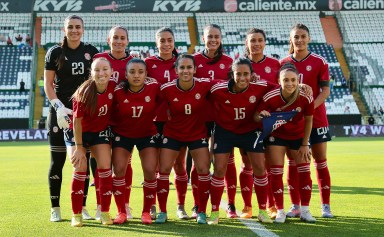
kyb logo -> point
(4, 7)
(176, 6)
(64, 5)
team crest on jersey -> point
(165, 140)
(267, 69)
(87, 56)
(308, 68)
(298, 109)
(252, 99)
(117, 138)
(222, 66)
(197, 96)
(271, 139)
(110, 96)
(147, 99)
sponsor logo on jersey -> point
(197, 96)
(110, 96)
(175, 99)
(176, 6)
(267, 69)
(200, 65)
(252, 99)
(87, 56)
(227, 102)
(308, 68)
(147, 98)
(126, 101)
(154, 66)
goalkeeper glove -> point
(63, 120)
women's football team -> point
(171, 106)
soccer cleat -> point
(161, 218)
(307, 217)
(201, 218)
(77, 220)
(120, 218)
(181, 213)
(280, 217)
(128, 209)
(294, 211)
(214, 218)
(231, 211)
(263, 217)
(152, 212)
(246, 212)
(194, 212)
(86, 215)
(98, 212)
(326, 211)
(55, 214)
(106, 218)
(272, 212)
(146, 218)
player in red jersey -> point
(235, 102)
(213, 63)
(314, 72)
(291, 137)
(118, 57)
(265, 68)
(185, 127)
(66, 68)
(134, 102)
(92, 104)
(162, 68)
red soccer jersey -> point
(313, 70)
(163, 71)
(219, 70)
(99, 121)
(234, 111)
(118, 65)
(267, 69)
(133, 112)
(294, 129)
(186, 122)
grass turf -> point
(357, 198)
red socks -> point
(128, 180)
(195, 185)
(324, 181)
(277, 186)
(231, 179)
(305, 183)
(204, 187)
(181, 185)
(261, 188)
(149, 190)
(246, 185)
(162, 191)
(77, 193)
(293, 182)
(217, 188)
(105, 181)
(118, 190)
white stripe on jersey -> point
(320, 57)
(168, 84)
(271, 94)
(48, 55)
(309, 98)
(219, 86)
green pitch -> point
(357, 199)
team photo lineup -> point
(175, 106)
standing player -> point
(118, 57)
(135, 101)
(162, 68)
(186, 99)
(235, 102)
(291, 138)
(92, 104)
(265, 68)
(66, 68)
(314, 72)
(214, 64)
